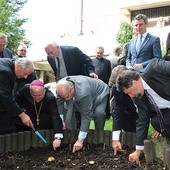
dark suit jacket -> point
(102, 68)
(157, 76)
(49, 117)
(150, 49)
(8, 107)
(76, 62)
(124, 112)
(6, 53)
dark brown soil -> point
(104, 159)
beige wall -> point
(103, 17)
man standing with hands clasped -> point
(151, 93)
(144, 47)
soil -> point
(93, 158)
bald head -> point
(65, 89)
(37, 90)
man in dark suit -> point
(72, 61)
(155, 81)
(22, 53)
(103, 70)
(144, 47)
(124, 111)
(9, 109)
(4, 52)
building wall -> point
(103, 17)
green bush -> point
(125, 33)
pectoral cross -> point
(38, 121)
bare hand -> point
(78, 145)
(156, 134)
(116, 145)
(56, 143)
(93, 75)
(26, 119)
(64, 125)
(138, 66)
(133, 157)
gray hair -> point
(142, 16)
(22, 45)
(24, 62)
(54, 44)
(2, 35)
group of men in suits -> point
(78, 83)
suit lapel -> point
(145, 42)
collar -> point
(145, 85)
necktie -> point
(158, 112)
(139, 43)
(70, 116)
(58, 68)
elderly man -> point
(22, 52)
(40, 104)
(68, 60)
(150, 92)
(4, 52)
(90, 98)
(9, 71)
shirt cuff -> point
(139, 147)
(82, 135)
(116, 135)
(62, 117)
(58, 135)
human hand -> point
(64, 125)
(133, 157)
(78, 145)
(56, 143)
(26, 119)
(156, 134)
(93, 75)
(138, 66)
(116, 145)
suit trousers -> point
(100, 114)
(155, 122)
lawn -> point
(109, 122)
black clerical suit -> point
(46, 108)
(103, 70)
(157, 76)
(8, 107)
(19, 83)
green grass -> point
(108, 126)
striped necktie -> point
(158, 112)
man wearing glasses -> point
(4, 52)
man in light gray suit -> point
(90, 99)
(144, 47)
